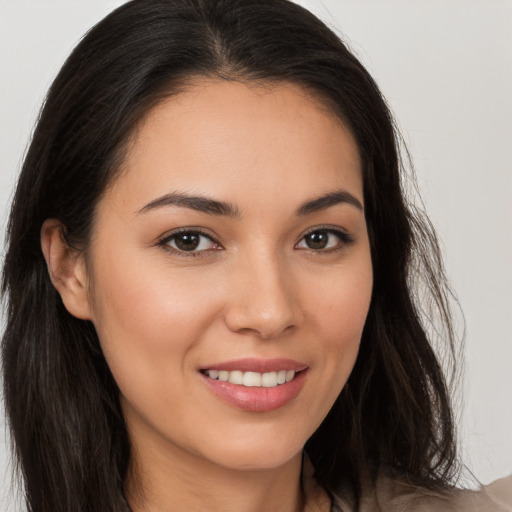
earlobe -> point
(67, 269)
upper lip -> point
(258, 365)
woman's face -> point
(233, 245)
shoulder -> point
(398, 495)
(501, 492)
(395, 495)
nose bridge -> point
(263, 302)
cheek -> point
(148, 318)
(339, 309)
(341, 302)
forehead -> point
(222, 138)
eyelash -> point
(186, 254)
(345, 240)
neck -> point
(171, 479)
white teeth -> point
(269, 380)
(236, 377)
(253, 379)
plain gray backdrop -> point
(445, 68)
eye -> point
(325, 240)
(189, 241)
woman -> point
(223, 297)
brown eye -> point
(190, 241)
(187, 241)
(325, 240)
(317, 239)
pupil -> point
(317, 240)
(187, 241)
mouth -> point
(252, 379)
(256, 385)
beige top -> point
(396, 496)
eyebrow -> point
(198, 203)
(214, 207)
(328, 200)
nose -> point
(262, 300)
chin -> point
(256, 456)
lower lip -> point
(257, 399)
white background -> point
(445, 67)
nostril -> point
(266, 332)
(261, 303)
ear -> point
(67, 269)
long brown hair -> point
(69, 436)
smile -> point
(252, 379)
(256, 385)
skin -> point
(257, 290)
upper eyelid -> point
(325, 227)
(345, 237)
(201, 231)
(162, 240)
(164, 243)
